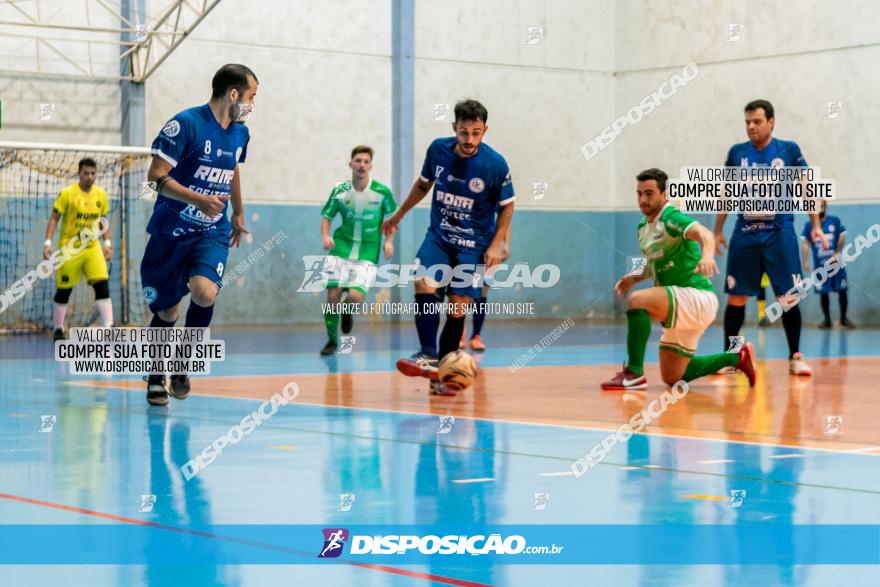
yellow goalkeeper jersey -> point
(80, 209)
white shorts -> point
(359, 275)
(691, 311)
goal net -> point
(31, 177)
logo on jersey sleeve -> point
(172, 129)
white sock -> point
(60, 312)
(105, 308)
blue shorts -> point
(435, 252)
(169, 262)
(837, 282)
(775, 251)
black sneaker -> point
(346, 323)
(847, 324)
(329, 348)
(826, 323)
(764, 322)
(156, 393)
(418, 365)
(58, 334)
(179, 386)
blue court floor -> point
(107, 448)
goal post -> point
(31, 177)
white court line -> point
(716, 461)
(630, 468)
(558, 474)
(650, 466)
(865, 450)
(477, 480)
(787, 456)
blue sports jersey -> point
(467, 193)
(832, 228)
(203, 155)
(778, 153)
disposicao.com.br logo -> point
(393, 544)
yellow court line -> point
(284, 446)
(706, 497)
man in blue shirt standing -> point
(195, 166)
(764, 242)
(471, 181)
(836, 235)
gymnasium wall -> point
(85, 112)
(325, 72)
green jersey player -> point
(363, 204)
(677, 253)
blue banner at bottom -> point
(158, 544)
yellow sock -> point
(761, 305)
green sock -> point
(331, 323)
(708, 364)
(638, 330)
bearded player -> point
(471, 181)
(680, 259)
(195, 165)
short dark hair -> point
(766, 105)
(471, 110)
(86, 162)
(362, 149)
(657, 175)
(231, 75)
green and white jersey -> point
(360, 236)
(671, 258)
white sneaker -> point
(797, 366)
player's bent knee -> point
(102, 289)
(355, 296)
(422, 287)
(737, 300)
(170, 314)
(62, 296)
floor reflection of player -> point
(182, 504)
(460, 505)
(772, 499)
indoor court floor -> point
(803, 450)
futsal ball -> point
(457, 370)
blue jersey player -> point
(195, 166)
(835, 232)
(763, 242)
(471, 182)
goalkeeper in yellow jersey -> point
(78, 206)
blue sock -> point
(427, 322)
(199, 317)
(479, 317)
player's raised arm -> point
(700, 234)
(237, 218)
(171, 188)
(419, 190)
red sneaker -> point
(746, 363)
(626, 379)
(477, 344)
